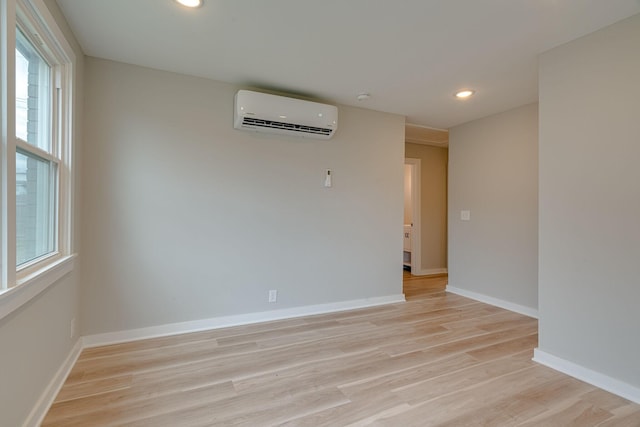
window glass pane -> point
(33, 96)
(35, 210)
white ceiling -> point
(410, 55)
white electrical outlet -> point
(465, 215)
(73, 327)
(273, 295)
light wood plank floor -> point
(437, 360)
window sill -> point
(28, 288)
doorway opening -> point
(411, 256)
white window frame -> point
(20, 284)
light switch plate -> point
(465, 215)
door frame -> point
(416, 233)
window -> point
(35, 207)
(36, 170)
(35, 128)
(33, 95)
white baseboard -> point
(45, 401)
(587, 375)
(521, 309)
(236, 320)
(430, 271)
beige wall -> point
(493, 173)
(590, 202)
(433, 204)
(188, 218)
(35, 339)
(35, 343)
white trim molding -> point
(47, 397)
(234, 320)
(587, 375)
(430, 272)
(521, 309)
(13, 298)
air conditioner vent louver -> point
(250, 121)
(266, 113)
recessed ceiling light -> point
(190, 3)
(465, 93)
(363, 96)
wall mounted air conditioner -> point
(262, 112)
